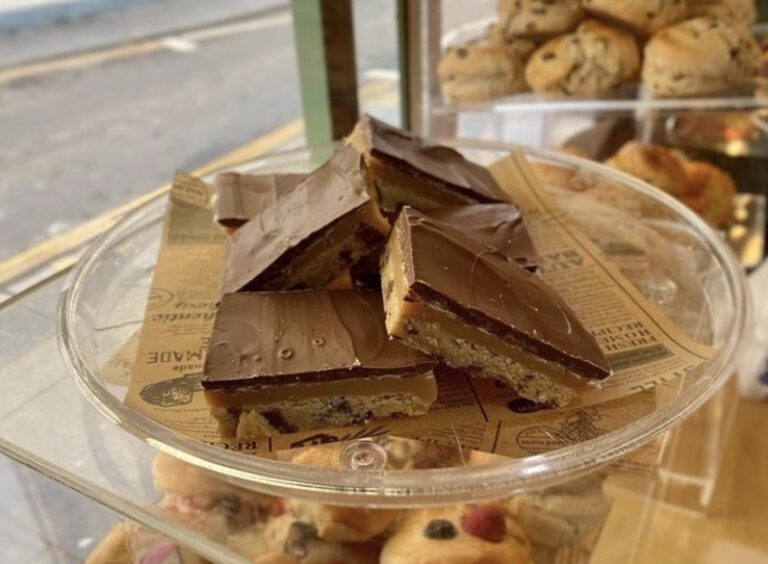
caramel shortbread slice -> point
(405, 170)
(453, 298)
(498, 227)
(311, 235)
(239, 197)
(280, 362)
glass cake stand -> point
(687, 270)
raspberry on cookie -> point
(458, 534)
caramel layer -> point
(394, 188)
(423, 386)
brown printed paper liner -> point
(644, 347)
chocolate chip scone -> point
(700, 56)
(595, 59)
(488, 68)
(645, 17)
(742, 12)
(539, 18)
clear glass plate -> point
(684, 267)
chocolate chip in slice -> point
(522, 405)
(440, 529)
(461, 53)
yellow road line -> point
(76, 237)
(138, 48)
(78, 61)
(64, 248)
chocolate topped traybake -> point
(448, 295)
(240, 197)
(403, 169)
(310, 235)
(279, 362)
(498, 227)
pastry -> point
(655, 164)
(343, 524)
(283, 362)
(645, 17)
(705, 188)
(538, 18)
(742, 12)
(483, 70)
(480, 313)
(594, 59)
(710, 192)
(404, 169)
(457, 534)
(700, 56)
(308, 237)
(240, 197)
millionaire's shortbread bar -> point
(498, 227)
(280, 362)
(447, 295)
(405, 170)
(310, 235)
(238, 197)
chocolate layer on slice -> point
(239, 197)
(499, 227)
(282, 362)
(404, 169)
(309, 236)
(448, 295)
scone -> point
(710, 192)
(699, 56)
(595, 59)
(538, 18)
(742, 12)
(644, 17)
(457, 535)
(485, 69)
(654, 164)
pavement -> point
(93, 127)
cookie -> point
(481, 70)
(700, 56)
(113, 549)
(342, 524)
(710, 192)
(538, 18)
(203, 501)
(742, 12)
(656, 165)
(644, 17)
(285, 539)
(595, 59)
(457, 534)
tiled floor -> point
(45, 522)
